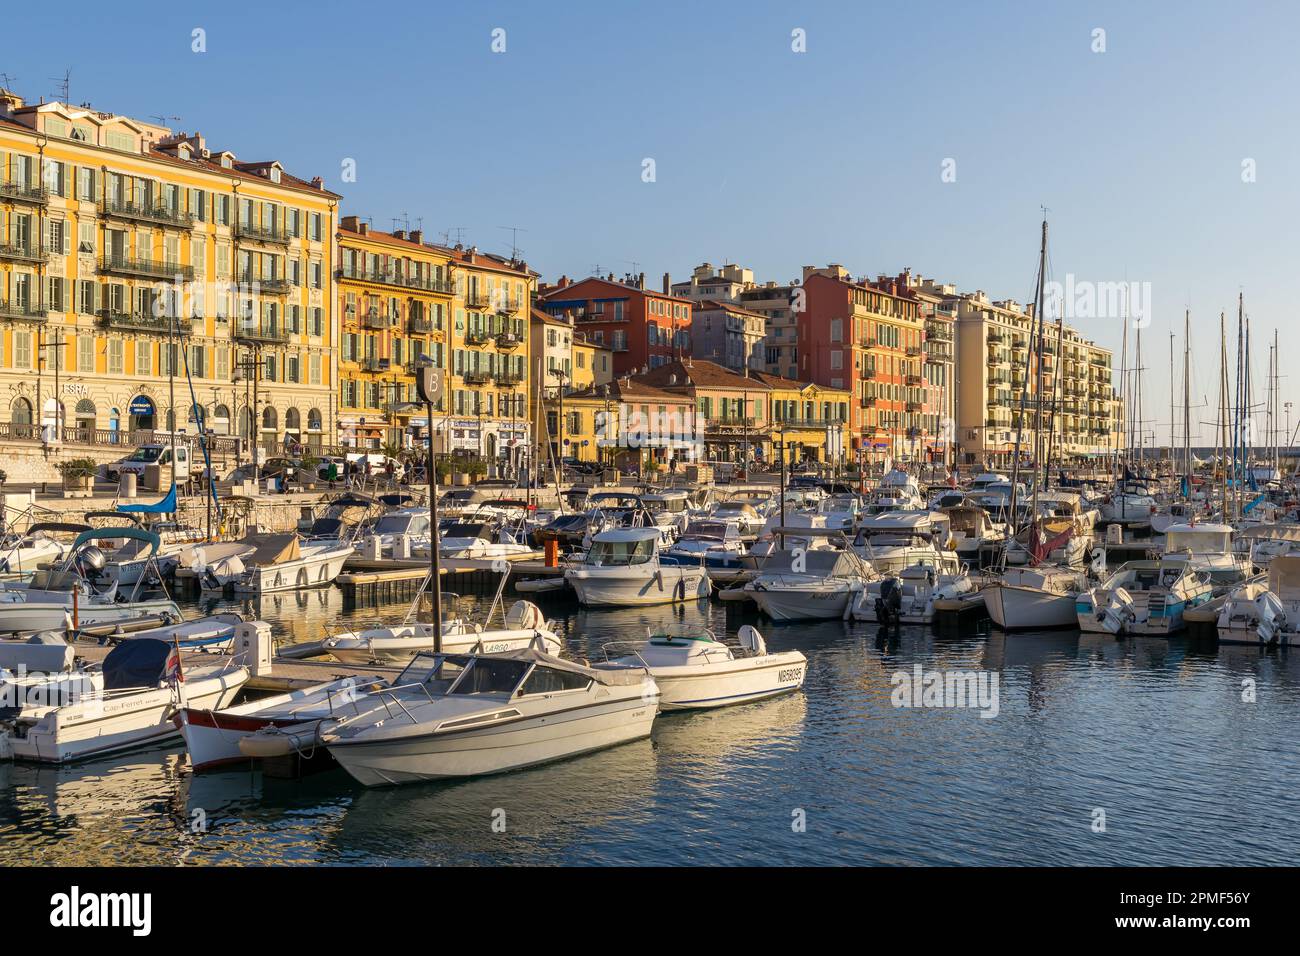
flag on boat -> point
(172, 669)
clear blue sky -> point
(763, 156)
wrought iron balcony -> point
(913, 406)
(868, 343)
(913, 380)
(146, 268)
(507, 340)
(23, 252)
(913, 351)
(267, 285)
(416, 283)
(374, 319)
(781, 423)
(477, 300)
(275, 235)
(145, 322)
(939, 330)
(996, 338)
(868, 401)
(21, 312)
(372, 363)
(477, 337)
(477, 378)
(256, 334)
(155, 213)
(24, 193)
(419, 326)
(868, 373)
(509, 379)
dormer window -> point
(275, 175)
(226, 162)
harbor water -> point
(1101, 751)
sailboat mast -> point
(1187, 400)
(1038, 388)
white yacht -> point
(625, 567)
(973, 531)
(44, 542)
(1033, 598)
(717, 544)
(801, 584)
(1062, 532)
(696, 671)
(743, 514)
(466, 539)
(1131, 504)
(1142, 597)
(1265, 612)
(451, 716)
(896, 491)
(410, 524)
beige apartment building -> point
(995, 365)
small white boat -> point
(1132, 504)
(525, 626)
(215, 737)
(817, 583)
(717, 544)
(913, 595)
(696, 671)
(624, 567)
(1265, 612)
(450, 716)
(474, 539)
(1142, 597)
(1034, 598)
(278, 562)
(44, 542)
(973, 531)
(893, 540)
(135, 706)
(1208, 547)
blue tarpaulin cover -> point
(138, 662)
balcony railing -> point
(868, 373)
(24, 193)
(913, 406)
(268, 285)
(156, 213)
(477, 300)
(419, 326)
(145, 322)
(868, 401)
(781, 423)
(913, 380)
(271, 234)
(418, 283)
(868, 343)
(507, 340)
(477, 378)
(23, 252)
(146, 268)
(372, 363)
(938, 330)
(21, 312)
(378, 320)
(913, 351)
(996, 338)
(509, 379)
(257, 334)
(477, 338)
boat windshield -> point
(488, 675)
(437, 671)
(402, 524)
(615, 553)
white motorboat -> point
(893, 540)
(973, 531)
(134, 708)
(474, 539)
(896, 491)
(814, 583)
(1263, 543)
(1143, 597)
(1062, 531)
(1208, 548)
(716, 544)
(695, 671)
(742, 513)
(408, 524)
(913, 595)
(1265, 612)
(278, 562)
(624, 567)
(1034, 598)
(1132, 504)
(525, 626)
(44, 542)
(450, 716)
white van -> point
(146, 455)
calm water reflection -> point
(1154, 732)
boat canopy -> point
(819, 562)
(271, 549)
(894, 522)
(1272, 532)
(108, 534)
(1199, 538)
(1284, 577)
(136, 663)
(63, 527)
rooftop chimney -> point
(350, 223)
(417, 235)
(668, 284)
(399, 233)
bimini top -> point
(621, 535)
(108, 534)
(620, 676)
(894, 521)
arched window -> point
(292, 421)
(221, 420)
(313, 420)
(85, 408)
(22, 412)
(269, 418)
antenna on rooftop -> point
(514, 240)
(65, 85)
(162, 119)
(8, 80)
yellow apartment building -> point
(395, 300)
(128, 252)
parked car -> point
(155, 454)
(375, 465)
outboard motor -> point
(890, 603)
(90, 562)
